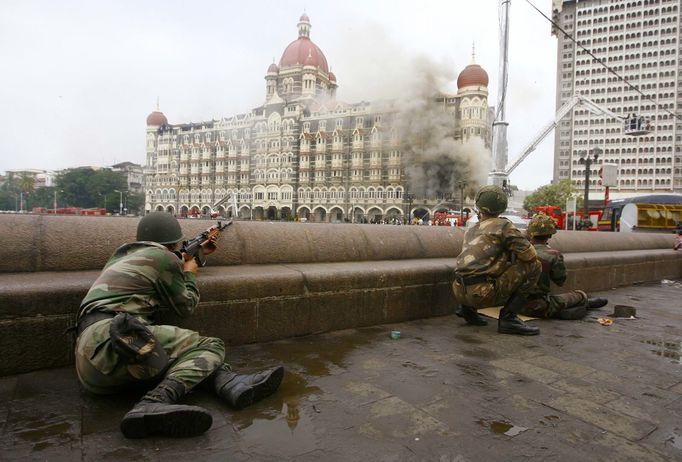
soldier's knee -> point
(214, 344)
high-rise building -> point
(639, 41)
(305, 154)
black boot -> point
(470, 316)
(575, 312)
(240, 391)
(157, 414)
(597, 302)
(509, 323)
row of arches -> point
(313, 214)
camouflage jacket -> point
(489, 247)
(553, 269)
(142, 278)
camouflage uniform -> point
(542, 304)
(144, 279)
(495, 249)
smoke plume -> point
(436, 161)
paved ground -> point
(443, 392)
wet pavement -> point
(442, 392)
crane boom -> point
(561, 113)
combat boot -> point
(470, 316)
(509, 322)
(240, 391)
(157, 414)
(573, 313)
(597, 302)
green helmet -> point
(159, 227)
(491, 199)
(541, 225)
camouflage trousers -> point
(548, 306)
(101, 370)
(518, 277)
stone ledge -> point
(240, 304)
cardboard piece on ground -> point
(494, 312)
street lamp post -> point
(120, 201)
(588, 158)
(409, 198)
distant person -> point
(120, 347)
(677, 245)
(497, 266)
(541, 303)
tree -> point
(27, 183)
(135, 203)
(86, 188)
(552, 194)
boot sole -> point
(177, 423)
(261, 390)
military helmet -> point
(159, 227)
(491, 199)
(541, 225)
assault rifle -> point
(192, 247)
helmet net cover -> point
(541, 225)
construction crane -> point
(632, 126)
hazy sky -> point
(79, 78)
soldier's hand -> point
(190, 265)
(209, 245)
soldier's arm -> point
(177, 287)
(558, 271)
(516, 242)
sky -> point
(79, 77)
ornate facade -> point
(302, 153)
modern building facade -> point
(639, 40)
(304, 154)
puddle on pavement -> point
(502, 427)
(319, 356)
(281, 425)
(671, 349)
(469, 339)
(42, 434)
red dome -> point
(472, 75)
(273, 69)
(303, 52)
(332, 77)
(156, 118)
(304, 17)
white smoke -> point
(436, 161)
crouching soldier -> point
(119, 347)
(497, 266)
(542, 304)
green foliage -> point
(135, 203)
(551, 194)
(87, 188)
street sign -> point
(609, 175)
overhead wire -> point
(600, 61)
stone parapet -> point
(270, 281)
